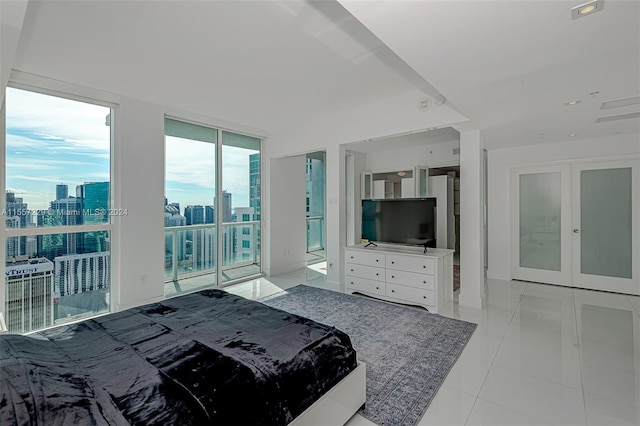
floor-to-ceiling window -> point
(57, 210)
(241, 206)
(197, 159)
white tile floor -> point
(541, 355)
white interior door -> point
(541, 222)
(577, 225)
(605, 226)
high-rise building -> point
(29, 295)
(254, 183)
(203, 249)
(79, 273)
(95, 202)
(172, 217)
(194, 214)
(18, 214)
(209, 214)
(62, 191)
(95, 210)
(13, 246)
(226, 207)
(315, 186)
(244, 236)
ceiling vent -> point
(618, 117)
(619, 103)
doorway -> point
(577, 225)
(315, 172)
(452, 174)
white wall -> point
(502, 161)
(391, 117)
(431, 155)
(285, 224)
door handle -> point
(576, 231)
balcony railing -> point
(315, 234)
(192, 250)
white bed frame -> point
(340, 403)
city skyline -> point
(52, 140)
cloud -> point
(190, 167)
(53, 140)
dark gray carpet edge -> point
(408, 351)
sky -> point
(51, 140)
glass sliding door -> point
(240, 206)
(189, 208)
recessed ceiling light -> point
(587, 9)
(577, 101)
(573, 134)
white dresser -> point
(401, 274)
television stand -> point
(401, 274)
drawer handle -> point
(393, 262)
(351, 269)
(377, 274)
(352, 257)
(424, 266)
(424, 282)
(424, 297)
(393, 291)
(377, 288)
(351, 282)
(377, 260)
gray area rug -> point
(408, 351)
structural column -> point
(472, 280)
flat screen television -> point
(409, 221)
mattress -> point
(205, 358)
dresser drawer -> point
(411, 294)
(423, 265)
(365, 285)
(364, 258)
(362, 271)
(411, 279)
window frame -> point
(54, 88)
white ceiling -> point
(264, 64)
(509, 66)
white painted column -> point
(471, 215)
(286, 226)
(139, 188)
(335, 212)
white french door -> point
(605, 226)
(577, 225)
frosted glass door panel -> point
(540, 214)
(421, 177)
(605, 222)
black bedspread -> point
(204, 358)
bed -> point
(209, 357)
